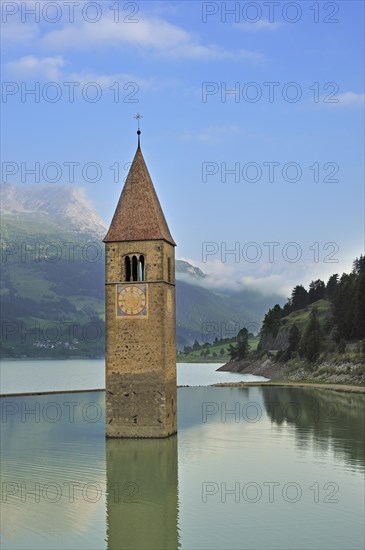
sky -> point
(252, 123)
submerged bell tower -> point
(140, 312)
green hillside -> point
(217, 352)
(319, 334)
(52, 294)
(300, 318)
(331, 313)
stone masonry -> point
(141, 350)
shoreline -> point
(336, 371)
(48, 392)
(345, 388)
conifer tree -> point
(241, 350)
(311, 341)
(294, 338)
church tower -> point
(140, 313)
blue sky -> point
(175, 61)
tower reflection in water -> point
(142, 499)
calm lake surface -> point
(251, 468)
(82, 374)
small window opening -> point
(127, 268)
(169, 270)
(141, 274)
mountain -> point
(65, 206)
(52, 287)
(204, 314)
(184, 268)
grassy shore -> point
(331, 368)
(217, 352)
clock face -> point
(131, 300)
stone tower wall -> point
(141, 351)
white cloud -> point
(153, 35)
(260, 25)
(234, 276)
(273, 283)
(106, 80)
(262, 277)
(50, 68)
(345, 99)
(31, 66)
(14, 32)
(268, 278)
(150, 34)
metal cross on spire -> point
(138, 117)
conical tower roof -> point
(138, 216)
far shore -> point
(308, 384)
(334, 387)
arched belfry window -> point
(127, 262)
(134, 268)
(141, 268)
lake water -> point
(82, 374)
(251, 468)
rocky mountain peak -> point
(63, 204)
